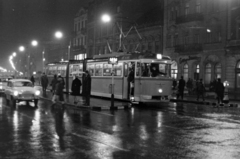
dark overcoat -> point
(76, 87)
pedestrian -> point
(86, 87)
(32, 79)
(44, 82)
(189, 85)
(59, 90)
(181, 86)
(200, 90)
(219, 91)
(76, 87)
(174, 84)
(53, 83)
(131, 81)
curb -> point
(206, 103)
(95, 108)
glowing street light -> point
(21, 48)
(106, 18)
(14, 54)
(58, 34)
(34, 43)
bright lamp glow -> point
(14, 54)
(58, 34)
(106, 18)
(208, 30)
(15, 93)
(160, 90)
(37, 93)
(34, 43)
(21, 48)
(159, 56)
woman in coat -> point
(76, 87)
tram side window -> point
(117, 69)
(98, 69)
(90, 68)
(155, 69)
(107, 69)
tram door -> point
(125, 80)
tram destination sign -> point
(113, 60)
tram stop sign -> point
(113, 60)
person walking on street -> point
(44, 82)
(32, 79)
(219, 91)
(53, 83)
(59, 90)
(189, 85)
(76, 87)
(200, 90)
(131, 81)
(181, 86)
(86, 87)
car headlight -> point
(15, 93)
(37, 93)
(160, 90)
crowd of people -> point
(198, 88)
(57, 86)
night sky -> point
(24, 20)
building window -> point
(174, 70)
(176, 40)
(238, 75)
(186, 9)
(238, 30)
(219, 37)
(208, 73)
(196, 39)
(197, 71)
(172, 14)
(157, 48)
(209, 37)
(185, 72)
(218, 70)
(198, 6)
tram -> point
(152, 80)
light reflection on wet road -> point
(172, 131)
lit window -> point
(208, 73)
(185, 72)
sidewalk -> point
(209, 100)
(95, 103)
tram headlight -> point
(159, 56)
(132, 98)
(15, 93)
(37, 93)
(160, 90)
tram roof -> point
(129, 56)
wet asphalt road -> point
(171, 131)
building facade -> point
(79, 43)
(137, 22)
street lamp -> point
(34, 43)
(59, 35)
(14, 54)
(107, 18)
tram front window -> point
(155, 70)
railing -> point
(189, 18)
(188, 48)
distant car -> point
(18, 90)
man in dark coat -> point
(76, 87)
(200, 90)
(219, 91)
(86, 87)
(44, 82)
(181, 86)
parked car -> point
(18, 90)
